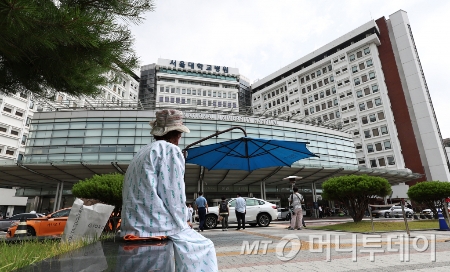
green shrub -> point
(432, 194)
(355, 192)
(106, 188)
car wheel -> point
(210, 221)
(253, 224)
(263, 220)
(31, 231)
(387, 215)
(408, 214)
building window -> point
(378, 101)
(199, 102)
(324, 106)
(359, 54)
(357, 81)
(14, 132)
(24, 139)
(370, 148)
(183, 100)
(335, 102)
(366, 51)
(369, 63)
(367, 134)
(391, 160)
(20, 157)
(333, 90)
(167, 89)
(364, 78)
(366, 91)
(361, 66)
(371, 75)
(361, 161)
(313, 75)
(5, 109)
(331, 116)
(306, 112)
(384, 130)
(161, 99)
(317, 108)
(161, 89)
(311, 110)
(318, 72)
(375, 132)
(364, 120)
(338, 114)
(177, 90)
(330, 68)
(373, 163)
(3, 129)
(18, 113)
(381, 115)
(354, 69)
(166, 99)
(177, 100)
(362, 106)
(359, 94)
(378, 147)
(351, 57)
(387, 145)
(372, 118)
(330, 104)
(369, 104)
(172, 100)
(381, 162)
(172, 90)
(331, 78)
(302, 80)
(31, 104)
(188, 91)
(10, 152)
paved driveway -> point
(320, 251)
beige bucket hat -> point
(168, 120)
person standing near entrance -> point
(202, 210)
(190, 213)
(240, 210)
(296, 200)
(224, 211)
(154, 197)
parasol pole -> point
(211, 136)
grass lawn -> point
(14, 256)
(366, 226)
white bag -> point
(86, 222)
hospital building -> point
(361, 102)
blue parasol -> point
(248, 154)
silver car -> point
(6, 223)
(392, 212)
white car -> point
(392, 212)
(259, 212)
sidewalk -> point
(320, 251)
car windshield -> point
(62, 213)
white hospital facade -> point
(369, 82)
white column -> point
(56, 197)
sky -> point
(259, 37)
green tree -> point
(432, 194)
(66, 45)
(106, 188)
(355, 192)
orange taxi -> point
(50, 225)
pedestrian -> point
(154, 197)
(296, 200)
(240, 210)
(190, 213)
(202, 210)
(224, 211)
(320, 212)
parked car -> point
(430, 212)
(50, 225)
(392, 212)
(259, 212)
(6, 223)
(283, 214)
